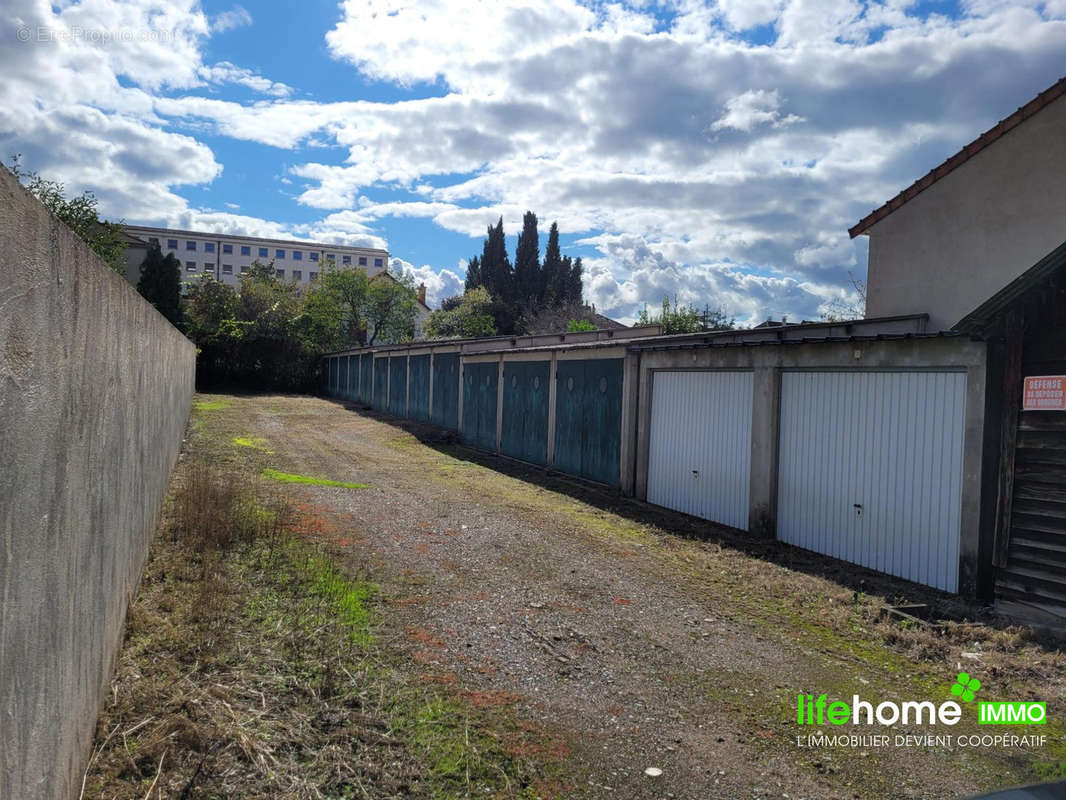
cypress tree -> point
(574, 282)
(160, 283)
(496, 273)
(527, 277)
(473, 273)
(552, 271)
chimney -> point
(422, 293)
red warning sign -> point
(1044, 393)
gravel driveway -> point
(629, 646)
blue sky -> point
(713, 149)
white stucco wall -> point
(976, 229)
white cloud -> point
(236, 17)
(691, 160)
(225, 72)
(439, 283)
(753, 108)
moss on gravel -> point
(288, 477)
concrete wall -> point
(969, 234)
(95, 389)
(768, 362)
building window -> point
(377, 262)
(362, 261)
(190, 266)
(172, 244)
(208, 266)
(209, 247)
(312, 276)
(297, 275)
(280, 273)
(331, 257)
(244, 269)
(246, 250)
(263, 253)
(297, 255)
(227, 248)
(227, 269)
(190, 245)
(346, 259)
(153, 240)
(314, 256)
(279, 254)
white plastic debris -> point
(653, 772)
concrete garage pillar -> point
(552, 389)
(765, 422)
(630, 401)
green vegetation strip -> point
(286, 477)
(210, 405)
(254, 442)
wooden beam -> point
(1012, 395)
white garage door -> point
(699, 457)
(871, 469)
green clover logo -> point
(966, 687)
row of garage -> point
(864, 446)
(563, 412)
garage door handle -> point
(695, 473)
(858, 508)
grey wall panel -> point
(699, 457)
(871, 469)
(95, 389)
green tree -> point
(575, 281)
(521, 294)
(209, 303)
(679, 318)
(471, 316)
(348, 289)
(80, 214)
(497, 275)
(160, 284)
(553, 275)
(473, 273)
(528, 280)
(577, 325)
(390, 308)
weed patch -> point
(253, 442)
(287, 477)
(210, 405)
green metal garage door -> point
(588, 418)
(480, 382)
(525, 411)
(446, 390)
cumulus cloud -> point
(753, 108)
(440, 283)
(690, 159)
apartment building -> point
(225, 256)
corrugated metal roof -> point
(878, 328)
(1004, 126)
(880, 337)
